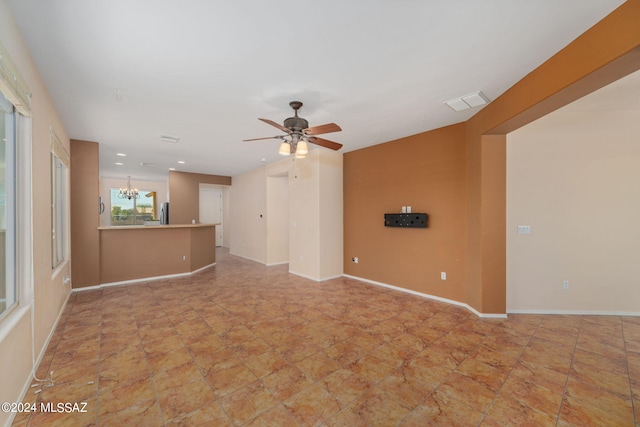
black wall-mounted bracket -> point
(406, 220)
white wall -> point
(248, 211)
(277, 219)
(315, 227)
(331, 214)
(304, 214)
(573, 176)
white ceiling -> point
(205, 70)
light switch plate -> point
(524, 229)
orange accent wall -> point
(426, 172)
(184, 194)
(394, 174)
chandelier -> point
(128, 192)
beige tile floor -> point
(241, 344)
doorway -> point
(211, 210)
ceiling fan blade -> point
(319, 130)
(257, 139)
(325, 143)
(272, 123)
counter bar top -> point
(168, 226)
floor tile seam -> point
(278, 402)
(49, 371)
(566, 384)
(150, 373)
(634, 404)
(513, 367)
(99, 359)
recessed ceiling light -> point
(121, 154)
(182, 162)
(119, 163)
(172, 169)
(263, 160)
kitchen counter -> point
(133, 227)
(134, 253)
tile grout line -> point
(510, 372)
(146, 359)
(626, 356)
(566, 384)
(99, 355)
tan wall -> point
(605, 53)
(184, 194)
(85, 219)
(129, 253)
(203, 247)
(426, 172)
(49, 292)
(574, 178)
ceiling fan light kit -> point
(285, 149)
(299, 134)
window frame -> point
(60, 224)
(143, 194)
(11, 290)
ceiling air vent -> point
(468, 101)
(170, 138)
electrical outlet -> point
(565, 285)
(354, 259)
(443, 275)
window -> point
(133, 211)
(59, 197)
(15, 187)
(7, 205)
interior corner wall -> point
(184, 194)
(424, 171)
(248, 234)
(574, 178)
(331, 220)
(578, 69)
(49, 291)
(304, 214)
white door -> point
(211, 210)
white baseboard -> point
(315, 279)
(27, 385)
(247, 258)
(433, 297)
(144, 279)
(577, 312)
(272, 264)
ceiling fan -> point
(298, 133)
